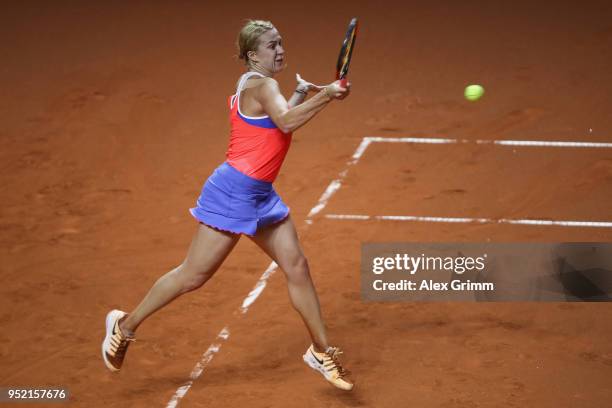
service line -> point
(464, 220)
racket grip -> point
(343, 82)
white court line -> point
(357, 217)
(599, 224)
(199, 368)
(525, 143)
(543, 143)
(329, 192)
(259, 287)
(429, 140)
(365, 142)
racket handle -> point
(343, 82)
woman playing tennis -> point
(238, 198)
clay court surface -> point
(114, 114)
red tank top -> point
(257, 147)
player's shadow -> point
(580, 284)
(582, 272)
(346, 398)
(150, 386)
(572, 272)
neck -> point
(254, 67)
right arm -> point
(288, 118)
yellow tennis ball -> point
(473, 92)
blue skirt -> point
(234, 202)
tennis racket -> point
(346, 51)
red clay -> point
(114, 114)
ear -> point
(251, 56)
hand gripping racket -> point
(346, 51)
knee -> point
(193, 278)
(297, 269)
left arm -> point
(301, 90)
(297, 98)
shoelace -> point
(333, 353)
(123, 346)
(119, 344)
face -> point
(270, 54)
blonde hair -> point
(248, 38)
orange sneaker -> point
(327, 363)
(115, 343)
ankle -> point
(320, 348)
(126, 329)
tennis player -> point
(238, 198)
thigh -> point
(280, 241)
(209, 248)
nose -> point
(280, 50)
